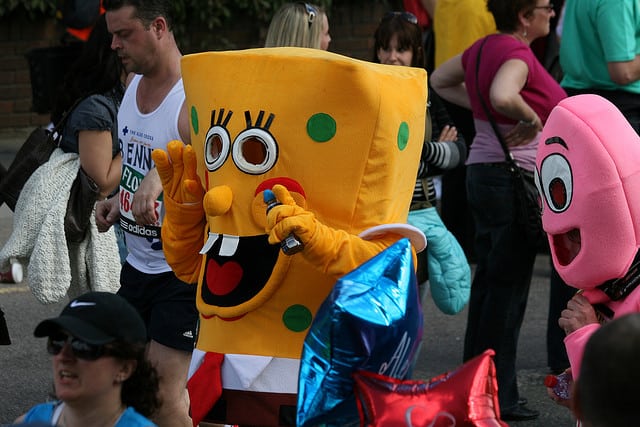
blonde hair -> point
(297, 25)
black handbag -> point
(82, 197)
(527, 200)
(33, 153)
(36, 151)
(5, 339)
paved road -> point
(443, 342)
(25, 366)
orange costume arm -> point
(332, 251)
(184, 223)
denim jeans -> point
(122, 245)
(559, 294)
(500, 286)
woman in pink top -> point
(519, 94)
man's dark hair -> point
(146, 10)
(607, 390)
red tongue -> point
(223, 279)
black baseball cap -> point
(97, 318)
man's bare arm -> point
(624, 72)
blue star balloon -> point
(372, 321)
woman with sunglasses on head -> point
(299, 25)
(501, 72)
(398, 41)
(100, 373)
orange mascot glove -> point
(184, 222)
(331, 250)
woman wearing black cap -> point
(100, 374)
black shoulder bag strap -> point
(56, 133)
(494, 126)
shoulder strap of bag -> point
(56, 132)
(494, 126)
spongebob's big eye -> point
(255, 151)
(557, 182)
(216, 147)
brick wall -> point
(19, 35)
(352, 28)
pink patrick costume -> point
(589, 178)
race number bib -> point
(128, 186)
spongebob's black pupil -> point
(254, 150)
(215, 147)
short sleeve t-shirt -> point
(594, 33)
(459, 24)
(541, 91)
(50, 413)
(94, 113)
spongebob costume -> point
(338, 141)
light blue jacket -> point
(449, 271)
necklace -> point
(518, 37)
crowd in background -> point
(512, 63)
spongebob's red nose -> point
(290, 184)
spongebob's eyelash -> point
(221, 122)
(258, 124)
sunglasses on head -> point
(407, 16)
(80, 349)
(311, 12)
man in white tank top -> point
(151, 115)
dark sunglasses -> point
(407, 16)
(311, 12)
(80, 349)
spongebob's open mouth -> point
(237, 268)
(567, 246)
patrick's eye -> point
(216, 147)
(556, 182)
